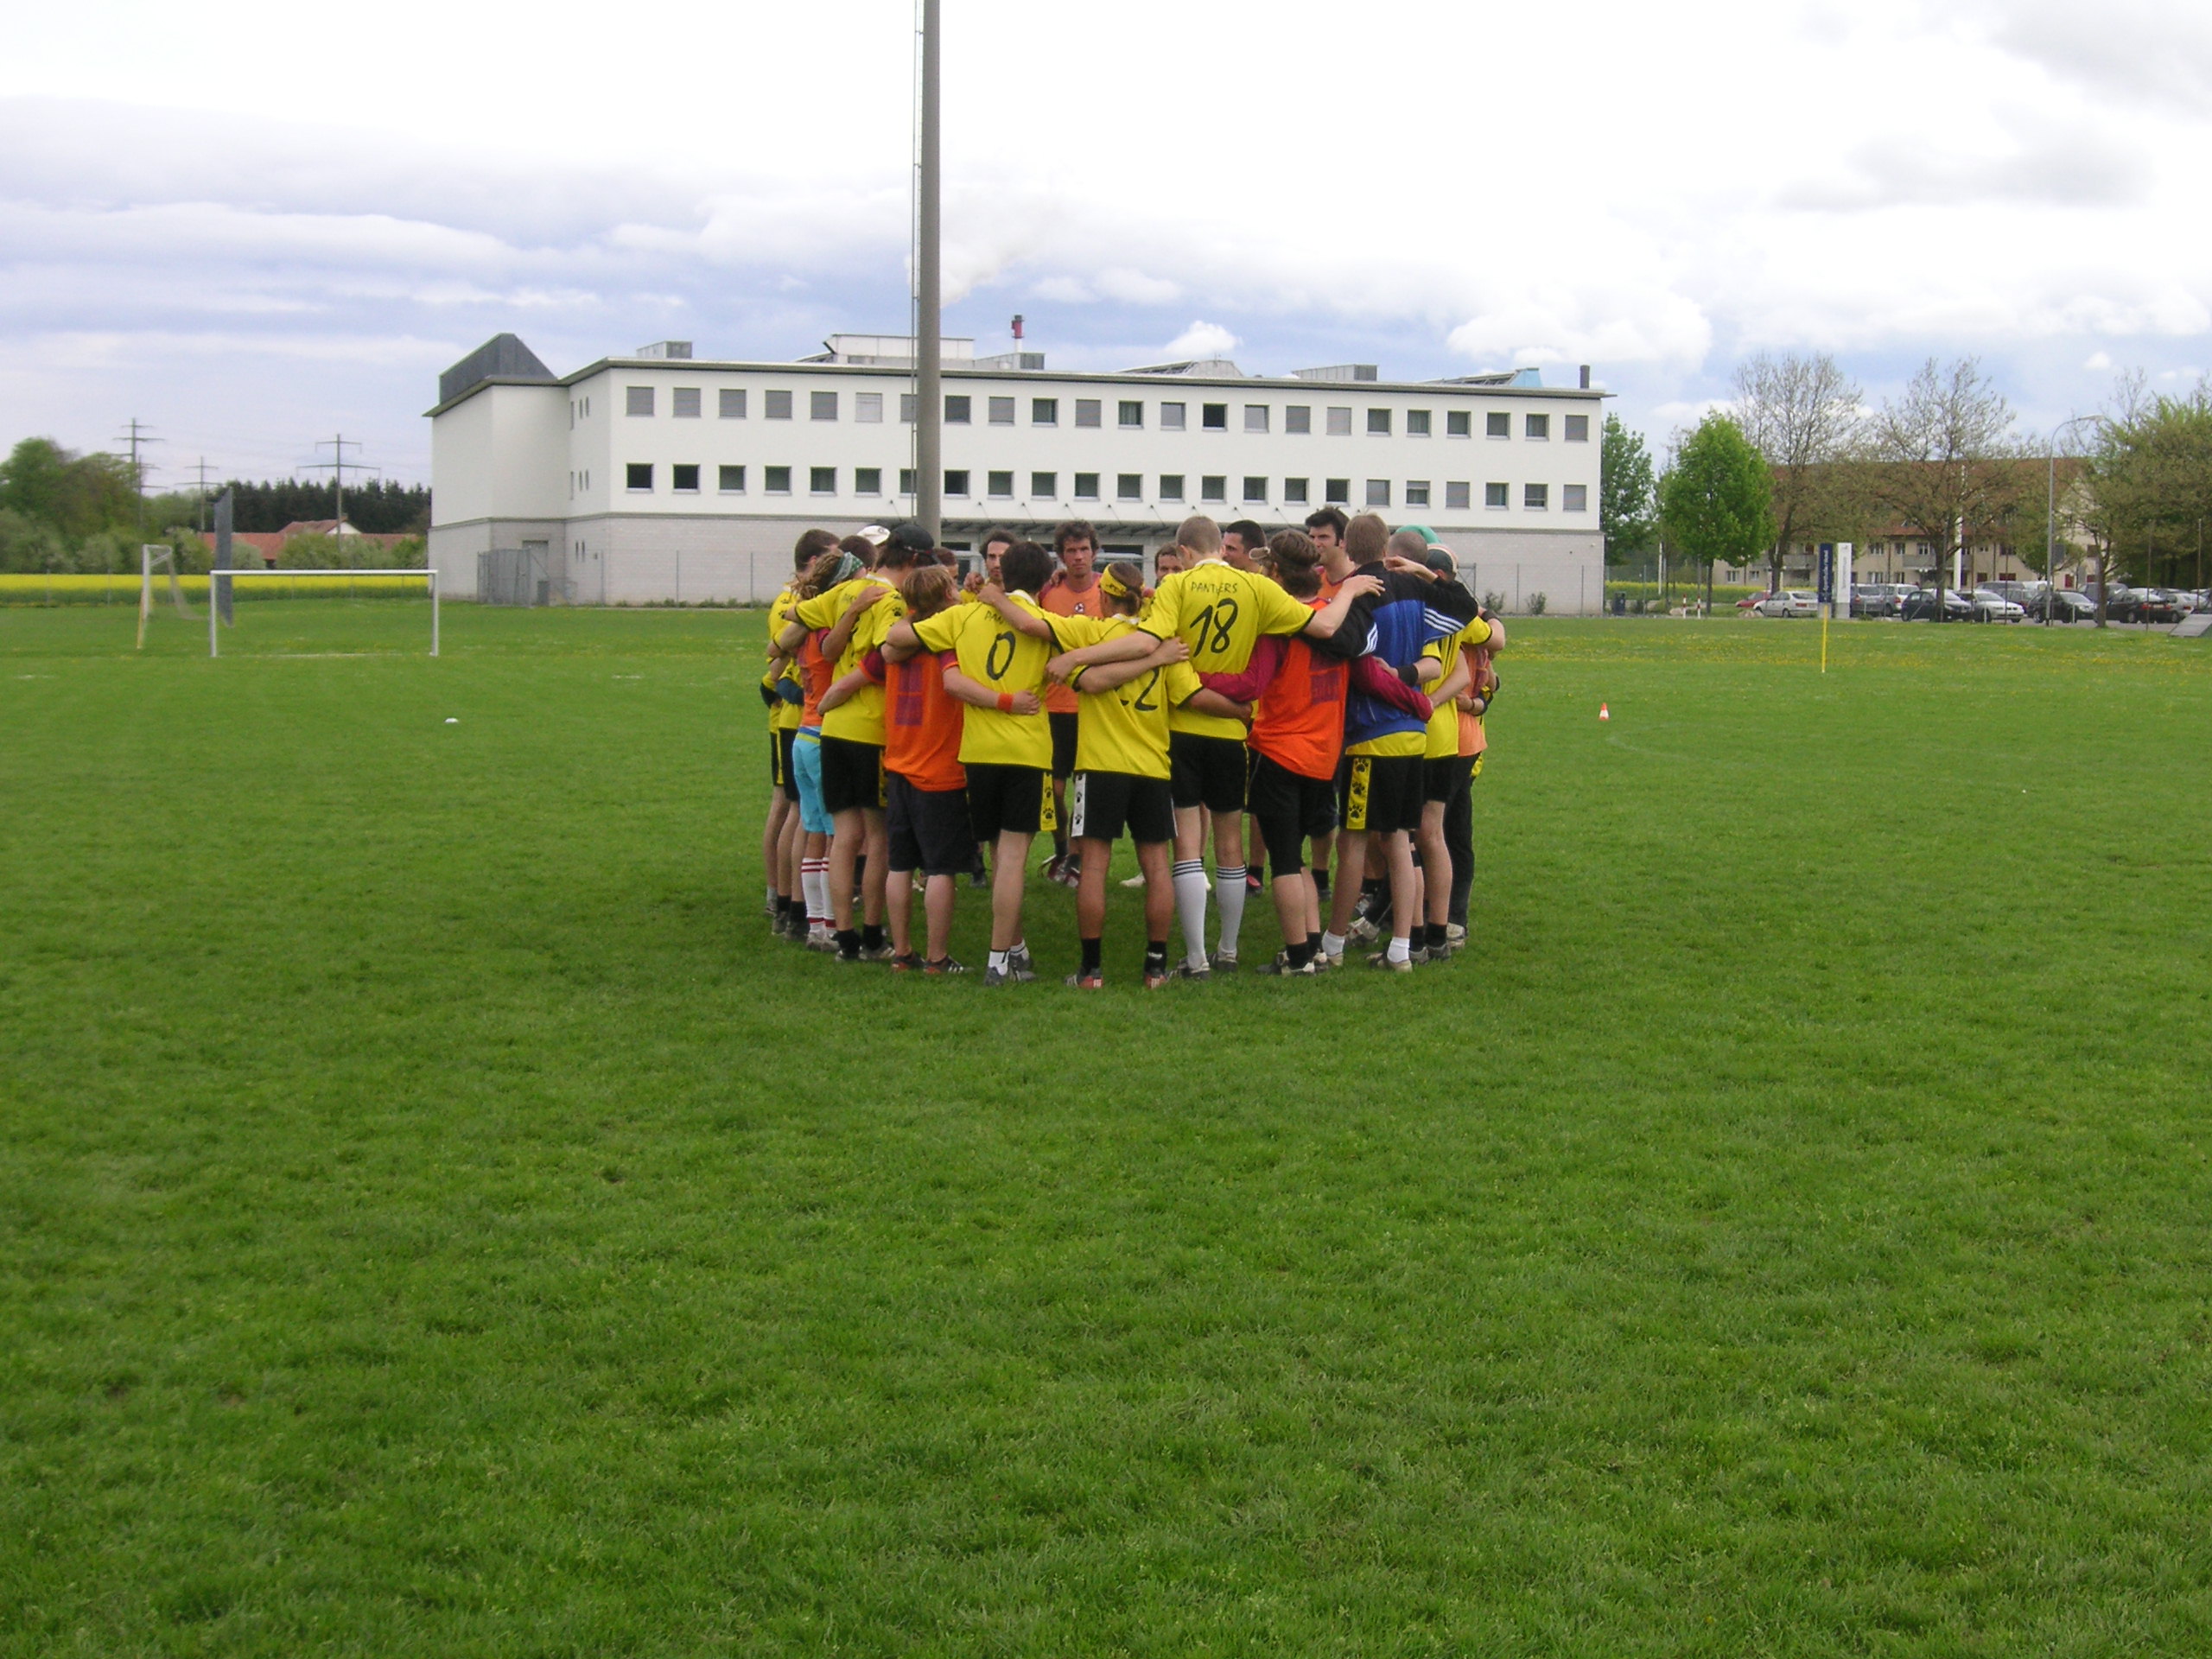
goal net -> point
(322, 613)
(154, 556)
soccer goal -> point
(150, 555)
(322, 612)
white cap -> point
(873, 535)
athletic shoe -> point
(1455, 934)
(1325, 963)
(1021, 964)
(943, 965)
(1008, 975)
(921, 882)
(1363, 931)
(881, 953)
(1154, 978)
(822, 940)
(1281, 966)
(840, 954)
(1184, 970)
(1222, 962)
(1086, 981)
(909, 963)
(1136, 880)
(1071, 873)
(979, 877)
(1381, 959)
(1053, 867)
(1251, 880)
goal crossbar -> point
(428, 573)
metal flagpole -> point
(929, 400)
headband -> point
(849, 566)
(1115, 586)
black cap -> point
(911, 537)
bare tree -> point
(1947, 467)
(1802, 414)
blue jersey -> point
(1395, 625)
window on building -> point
(956, 478)
(1043, 487)
(822, 405)
(1536, 497)
(1340, 423)
(1378, 423)
(1416, 492)
(1494, 495)
(1090, 412)
(1336, 492)
(1213, 418)
(1128, 487)
(684, 478)
(1171, 417)
(1416, 422)
(1298, 419)
(1001, 411)
(999, 485)
(1575, 429)
(867, 408)
(1575, 498)
(640, 474)
(1497, 424)
(1459, 423)
(957, 408)
(639, 402)
(1044, 411)
(1378, 492)
(1132, 412)
(1536, 427)
(867, 481)
(1455, 498)
(1255, 489)
(1171, 487)
(821, 480)
(906, 480)
(1294, 492)
(777, 480)
(1086, 486)
(776, 405)
(683, 403)
(730, 480)
(910, 407)
(1213, 486)
(1256, 417)
(732, 402)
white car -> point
(1791, 602)
(1990, 606)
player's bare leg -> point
(1009, 871)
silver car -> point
(1990, 606)
(1791, 602)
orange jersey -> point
(923, 722)
(1062, 601)
(816, 673)
(1298, 721)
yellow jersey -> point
(1443, 736)
(1124, 729)
(858, 719)
(1220, 612)
(1000, 659)
(782, 716)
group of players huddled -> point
(1329, 683)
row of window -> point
(686, 404)
(683, 479)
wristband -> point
(1005, 703)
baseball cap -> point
(909, 535)
(1421, 531)
(873, 535)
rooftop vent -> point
(1214, 368)
(1031, 362)
(1495, 378)
(674, 350)
(1337, 372)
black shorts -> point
(1291, 809)
(1206, 771)
(786, 778)
(852, 775)
(1377, 794)
(1003, 797)
(1446, 775)
(1103, 804)
(929, 828)
(1063, 744)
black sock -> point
(1372, 886)
(1301, 954)
(1155, 957)
(1091, 951)
(1313, 944)
(849, 941)
(1435, 935)
(872, 936)
(1321, 880)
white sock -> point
(998, 960)
(1191, 909)
(1401, 949)
(1229, 895)
(814, 881)
(1332, 945)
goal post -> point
(149, 555)
(418, 573)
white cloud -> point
(2098, 362)
(1200, 339)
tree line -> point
(62, 511)
(1798, 456)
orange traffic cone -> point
(1604, 713)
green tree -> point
(77, 495)
(1716, 501)
(1628, 502)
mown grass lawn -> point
(435, 1219)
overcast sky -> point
(251, 226)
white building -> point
(660, 476)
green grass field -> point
(435, 1219)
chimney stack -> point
(1586, 377)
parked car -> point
(1990, 606)
(1748, 607)
(2158, 605)
(1793, 601)
(2062, 605)
(2019, 592)
(1921, 607)
(2122, 604)
(1876, 598)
